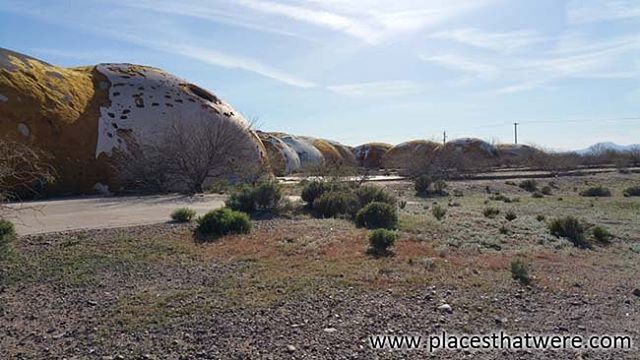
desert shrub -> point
(632, 191)
(520, 272)
(546, 190)
(402, 204)
(440, 187)
(529, 185)
(503, 230)
(368, 194)
(267, 195)
(490, 212)
(537, 195)
(264, 196)
(601, 234)
(596, 191)
(314, 189)
(510, 215)
(222, 222)
(541, 218)
(422, 184)
(438, 211)
(380, 240)
(7, 234)
(242, 200)
(571, 228)
(458, 193)
(377, 215)
(336, 204)
(183, 215)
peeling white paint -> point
(308, 154)
(23, 129)
(144, 101)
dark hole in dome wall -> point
(202, 93)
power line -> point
(560, 121)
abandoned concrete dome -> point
(80, 116)
(370, 155)
(406, 154)
(283, 159)
(471, 147)
(309, 155)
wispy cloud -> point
(499, 41)
(378, 89)
(456, 62)
(606, 59)
(588, 11)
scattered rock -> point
(330, 330)
(636, 292)
(291, 348)
(446, 308)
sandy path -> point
(104, 212)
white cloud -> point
(456, 62)
(589, 11)
(378, 89)
(500, 41)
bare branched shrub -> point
(188, 156)
(24, 172)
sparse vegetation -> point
(537, 195)
(541, 218)
(440, 187)
(438, 211)
(264, 196)
(570, 228)
(510, 215)
(222, 222)
(422, 184)
(183, 215)
(601, 235)
(596, 191)
(336, 204)
(368, 194)
(491, 212)
(529, 185)
(546, 190)
(377, 215)
(313, 189)
(632, 191)
(380, 240)
(520, 272)
(7, 234)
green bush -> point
(510, 215)
(632, 191)
(537, 195)
(336, 204)
(491, 212)
(242, 200)
(368, 194)
(380, 240)
(571, 228)
(529, 185)
(314, 189)
(596, 191)
(7, 234)
(183, 215)
(377, 215)
(601, 235)
(440, 187)
(222, 222)
(541, 218)
(546, 190)
(265, 196)
(520, 272)
(422, 184)
(438, 211)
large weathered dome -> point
(283, 159)
(409, 154)
(82, 115)
(370, 155)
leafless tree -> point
(24, 172)
(188, 155)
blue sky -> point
(363, 70)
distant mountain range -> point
(607, 146)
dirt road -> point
(104, 212)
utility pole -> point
(515, 132)
(444, 137)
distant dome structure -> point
(409, 154)
(370, 155)
(513, 154)
(309, 155)
(283, 159)
(472, 147)
(81, 116)
(346, 153)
